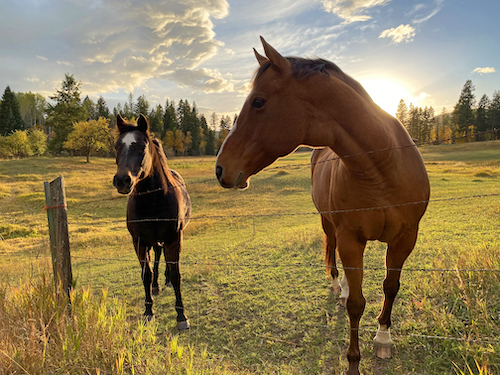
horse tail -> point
(330, 259)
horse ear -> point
(142, 123)
(261, 59)
(120, 123)
(273, 56)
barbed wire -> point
(210, 263)
(339, 211)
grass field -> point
(254, 288)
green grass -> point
(256, 295)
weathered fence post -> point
(55, 199)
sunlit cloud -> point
(352, 10)
(402, 33)
(42, 58)
(485, 70)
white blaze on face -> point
(129, 139)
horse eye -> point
(258, 103)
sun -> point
(386, 92)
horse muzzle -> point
(240, 182)
(123, 183)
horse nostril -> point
(127, 180)
(218, 172)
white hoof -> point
(382, 343)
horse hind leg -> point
(339, 286)
(172, 253)
(155, 289)
(397, 253)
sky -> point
(201, 50)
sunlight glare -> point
(386, 92)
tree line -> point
(469, 121)
(31, 125)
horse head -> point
(133, 154)
(271, 124)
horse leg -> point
(397, 252)
(331, 262)
(351, 253)
(172, 253)
(330, 255)
(142, 252)
(155, 290)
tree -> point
(66, 111)
(170, 122)
(463, 112)
(89, 136)
(482, 121)
(141, 106)
(37, 141)
(402, 113)
(155, 119)
(102, 109)
(32, 107)
(494, 112)
(10, 114)
(18, 145)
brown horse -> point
(364, 159)
(158, 208)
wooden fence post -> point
(55, 199)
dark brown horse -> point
(158, 208)
(364, 159)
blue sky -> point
(201, 50)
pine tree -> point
(494, 114)
(91, 108)
(463, 113)
(102, 108)
(10, 114)
(141, 106)
(170, 117)
(482, 121)
(402, 113)
(66, 111)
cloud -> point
(352, 10)
(206, 80)
(423, 12)
(399, 34)
(485, 70)
(118, 45)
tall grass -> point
(43, 334)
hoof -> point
(169, 285)
(155, 291)
(148, 318)
(183, 325)
(382, 351)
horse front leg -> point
(172, 254)
(142, 252)
(155, 290)
(351, 253)
(397, 253)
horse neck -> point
(353, 126)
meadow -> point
(254, 286)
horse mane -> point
(304, 68)
(160, 163)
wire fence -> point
(483, 340)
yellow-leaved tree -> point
(89, 136)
